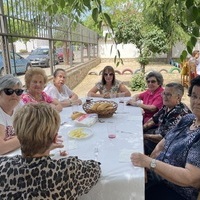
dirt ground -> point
(93, 76)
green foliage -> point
(178, 19)
(23, 51)
(138, 82)
(75, 9)
(148, 38)
(143, 60)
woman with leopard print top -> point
(34, 175)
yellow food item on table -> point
(78, 133)
(76, 115)
(103, 106)
(94, 106)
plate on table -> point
(80, 133)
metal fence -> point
(22, 20)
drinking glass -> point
(88, 98)
(121, 97)
(113, 95)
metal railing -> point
(22, 20)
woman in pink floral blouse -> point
(35, 80)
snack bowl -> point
(80, 133)
(103, 108)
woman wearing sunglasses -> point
(151, 98)
(108, 86)
(35, 80)
(10, 92)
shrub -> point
(23, 51)
(138, 82)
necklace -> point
(38, 98)
(194, 124)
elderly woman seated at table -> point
(34, 175)
(35, 80)
(10, 92)
(173, 169)
(166, 118)
(109, 86)
(58, 90)
(151, 98)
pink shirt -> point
(27, 98)
(151, 98)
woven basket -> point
(103, 113)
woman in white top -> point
(10, 92)
(58, 90)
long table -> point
(120, 180)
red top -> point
(151, 98)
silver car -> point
(40, 57)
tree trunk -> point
(169, 55)
(142, 68)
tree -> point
(186, 12)
(149, 39)
(168, 16)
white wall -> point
(130, 51)
(32, 44)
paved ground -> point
(90, 80)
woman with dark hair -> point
(58, 90)
(150, 100)
(108, 86)
(173, 169)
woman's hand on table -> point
(106, 95)
(58, 143)
(140, 160)
(132, 102)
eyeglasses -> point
(151, 81)
(166, 94)
(111, 74)
(9, 91)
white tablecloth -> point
(120, 180)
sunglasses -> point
(152, 81)
(111, 74)
(9, 91)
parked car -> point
(59, 51)
(40, 57)
(21, 64)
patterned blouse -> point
(44, 178)
(27, 98)
(114, 89)
(182, 146)
(167, 120)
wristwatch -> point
(153, 164)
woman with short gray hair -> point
(150, 100)
(10, 92)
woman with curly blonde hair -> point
(35, 81)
